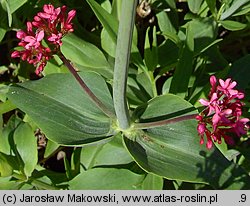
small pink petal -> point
(43, 15)
(204, 102)
(201, 128)
(48, 8)
(233, 92)
(198, 117)
(214, 97)
(213, 81)
(37, 18)
(222, 83)
(227, 82)
(57, 11)
(209, 144)
(244, 120)
(30, 39)
(20, 34)
(227, 111)
(40, 35)
(201, 140)
(232, 85)
(15, 54)
(216, 118)
(240, 95)
(71, 15)
(29, 27)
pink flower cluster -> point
(221, 117)
(51, 25)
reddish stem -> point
(92, 96)
(148, 125)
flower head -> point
(50, 25)
(221, 116)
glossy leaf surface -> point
(63, 111)
(173, 151)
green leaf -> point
(152, 182)
(200, 35)
(6, 139)
(110, 23)
(3, 17)
(6, 183)
(106, 5)
(26, 145)
(107, 44)
(116, 8)
(232, 25)
(239, 72)
(166, 85)
(1, 127)
(212, 6)
(6, 107)
(2, 33)
(62, 110)
(50, 148)
(243, 10)
(236, 4)
(5, 168)
(86, 55)
(106, 179)
(173, 151)
(151, 50)
(139, 89)
(6, 7)
(15, 4)
(164, 22)
(184, 68)
(168, 55)
(101, 155)
(173, 37)
(67, 167)
(194, 5)
(76, 161)
(204, 33)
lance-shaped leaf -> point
(26, 145)
(63, 111)
(85, 55)
(106, 178)
(173, 150)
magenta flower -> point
(50, 12)
(66, 20)
(211, 104)
(221, 116)
(213, 82)
(34, 41)
(51, 26)
(56, 39)
(227, 87)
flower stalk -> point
(160, 123)
(51, 25)
(85, 87)
(123, 48)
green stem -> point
(36, 183)
(123, 48)
(152, 80)
(43, 185)
(86, 88)
(148, 125)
